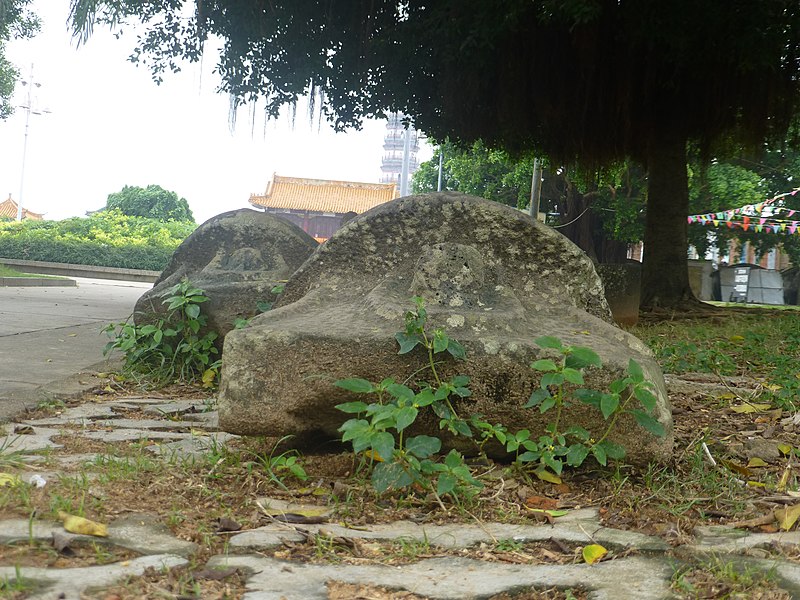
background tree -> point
(16, 22)
(589, 82)
(153, 202)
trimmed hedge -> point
(107, 239)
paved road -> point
(48, 333)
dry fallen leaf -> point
(8, 479)
(788, 516)
(750, 408)
(756, 462)
(546, 475)
(541, 502)
(593, 553)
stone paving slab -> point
(579, 526)
(454, 578)
(141, 533)
(68, 584)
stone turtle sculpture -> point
(494, 278)
(237, 257)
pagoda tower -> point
(400, 146)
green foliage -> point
(108, 239)
(170, 349)
(480, 171)
(286, 464)
(379, 428)
(767, 349)
(16, 22)
(152, 202)
(569, 445)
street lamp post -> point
(29, 109)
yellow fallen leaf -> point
(773, 387)
(788, 516)
(756, 462)
(784, 480)
(8, 479)
(736, 468)
(75, 524)
(726, 396)
(546, 475)
(785, 449)
(208, 377)
(736, 338)
(372, 455)
(750, 408)
(592, 553)
(756, 484)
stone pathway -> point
(643, 572)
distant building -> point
(394, 146)
(319, 206)
(9, 208)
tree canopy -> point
(587, 81)
(153, 202)
(16, 22)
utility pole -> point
(29, 109)
(406, 160)
(439, 184)
(536, 188)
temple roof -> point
(8, 208)
(323, 195)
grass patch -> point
(9, 272)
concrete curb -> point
(90, 271)
(36, 282)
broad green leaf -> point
(352, 407)
(193, 311)
(556, 465)
(424, 398)
(263, 306)
(401, 392)
(600, 454)
(440, 341)
(405, 417)
(608, 404)
(354, 384)
(612, 450)
(407, 341)
(463, 392)
(552, 379)
(536, 397)
(544, 364)
(390, 475)
(445, 484)
(578, 432)
(580, 357)
(573, 376)
(460, 381)
(453, 459)
(635, 370)
(423, 446)
(383, 444)
(462, 428)
(529, 456)
(590, 397)
(456, 350)
(547, 404)
(576, 454)
(593, 553)
(646, 397)
(649, 423)
(549, 341)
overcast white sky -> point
(111, 126)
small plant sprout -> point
(170, 349)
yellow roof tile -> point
(323, 195)
(8, 208)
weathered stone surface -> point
(493, 277)
(237, 258)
